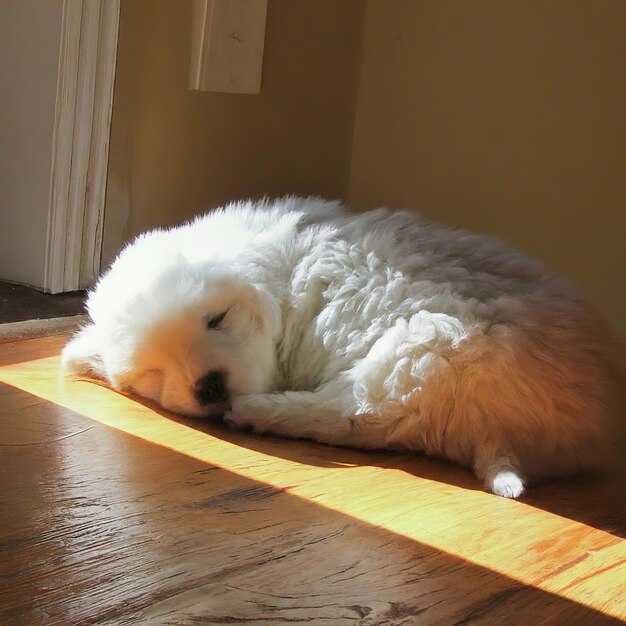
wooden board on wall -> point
(227, 45)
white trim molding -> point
(81, 143)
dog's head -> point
(188, 335)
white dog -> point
(379, 330)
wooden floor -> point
(113, 512)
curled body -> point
(379, 330)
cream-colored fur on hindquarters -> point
(379, 330)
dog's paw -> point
(235, 422)
(243, 414)
(507, 484)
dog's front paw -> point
(234, 422)
(243, 414)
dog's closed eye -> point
(213, 323)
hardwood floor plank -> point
(115, 512)
(29, 349)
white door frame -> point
(81, 143)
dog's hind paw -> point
(507, 484)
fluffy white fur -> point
(379, 330)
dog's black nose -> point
(211, 388)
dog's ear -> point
(82, 355)
(263, 308)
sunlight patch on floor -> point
(502, 535)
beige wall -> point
(505, 117)
(30, 37)
(176, 152)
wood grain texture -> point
(115, 512)
(227, 41)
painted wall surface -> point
(176, 152)
(508, 118)
(30, 35)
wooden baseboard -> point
(31, 329)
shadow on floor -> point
(19, 303)
(596, 501)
